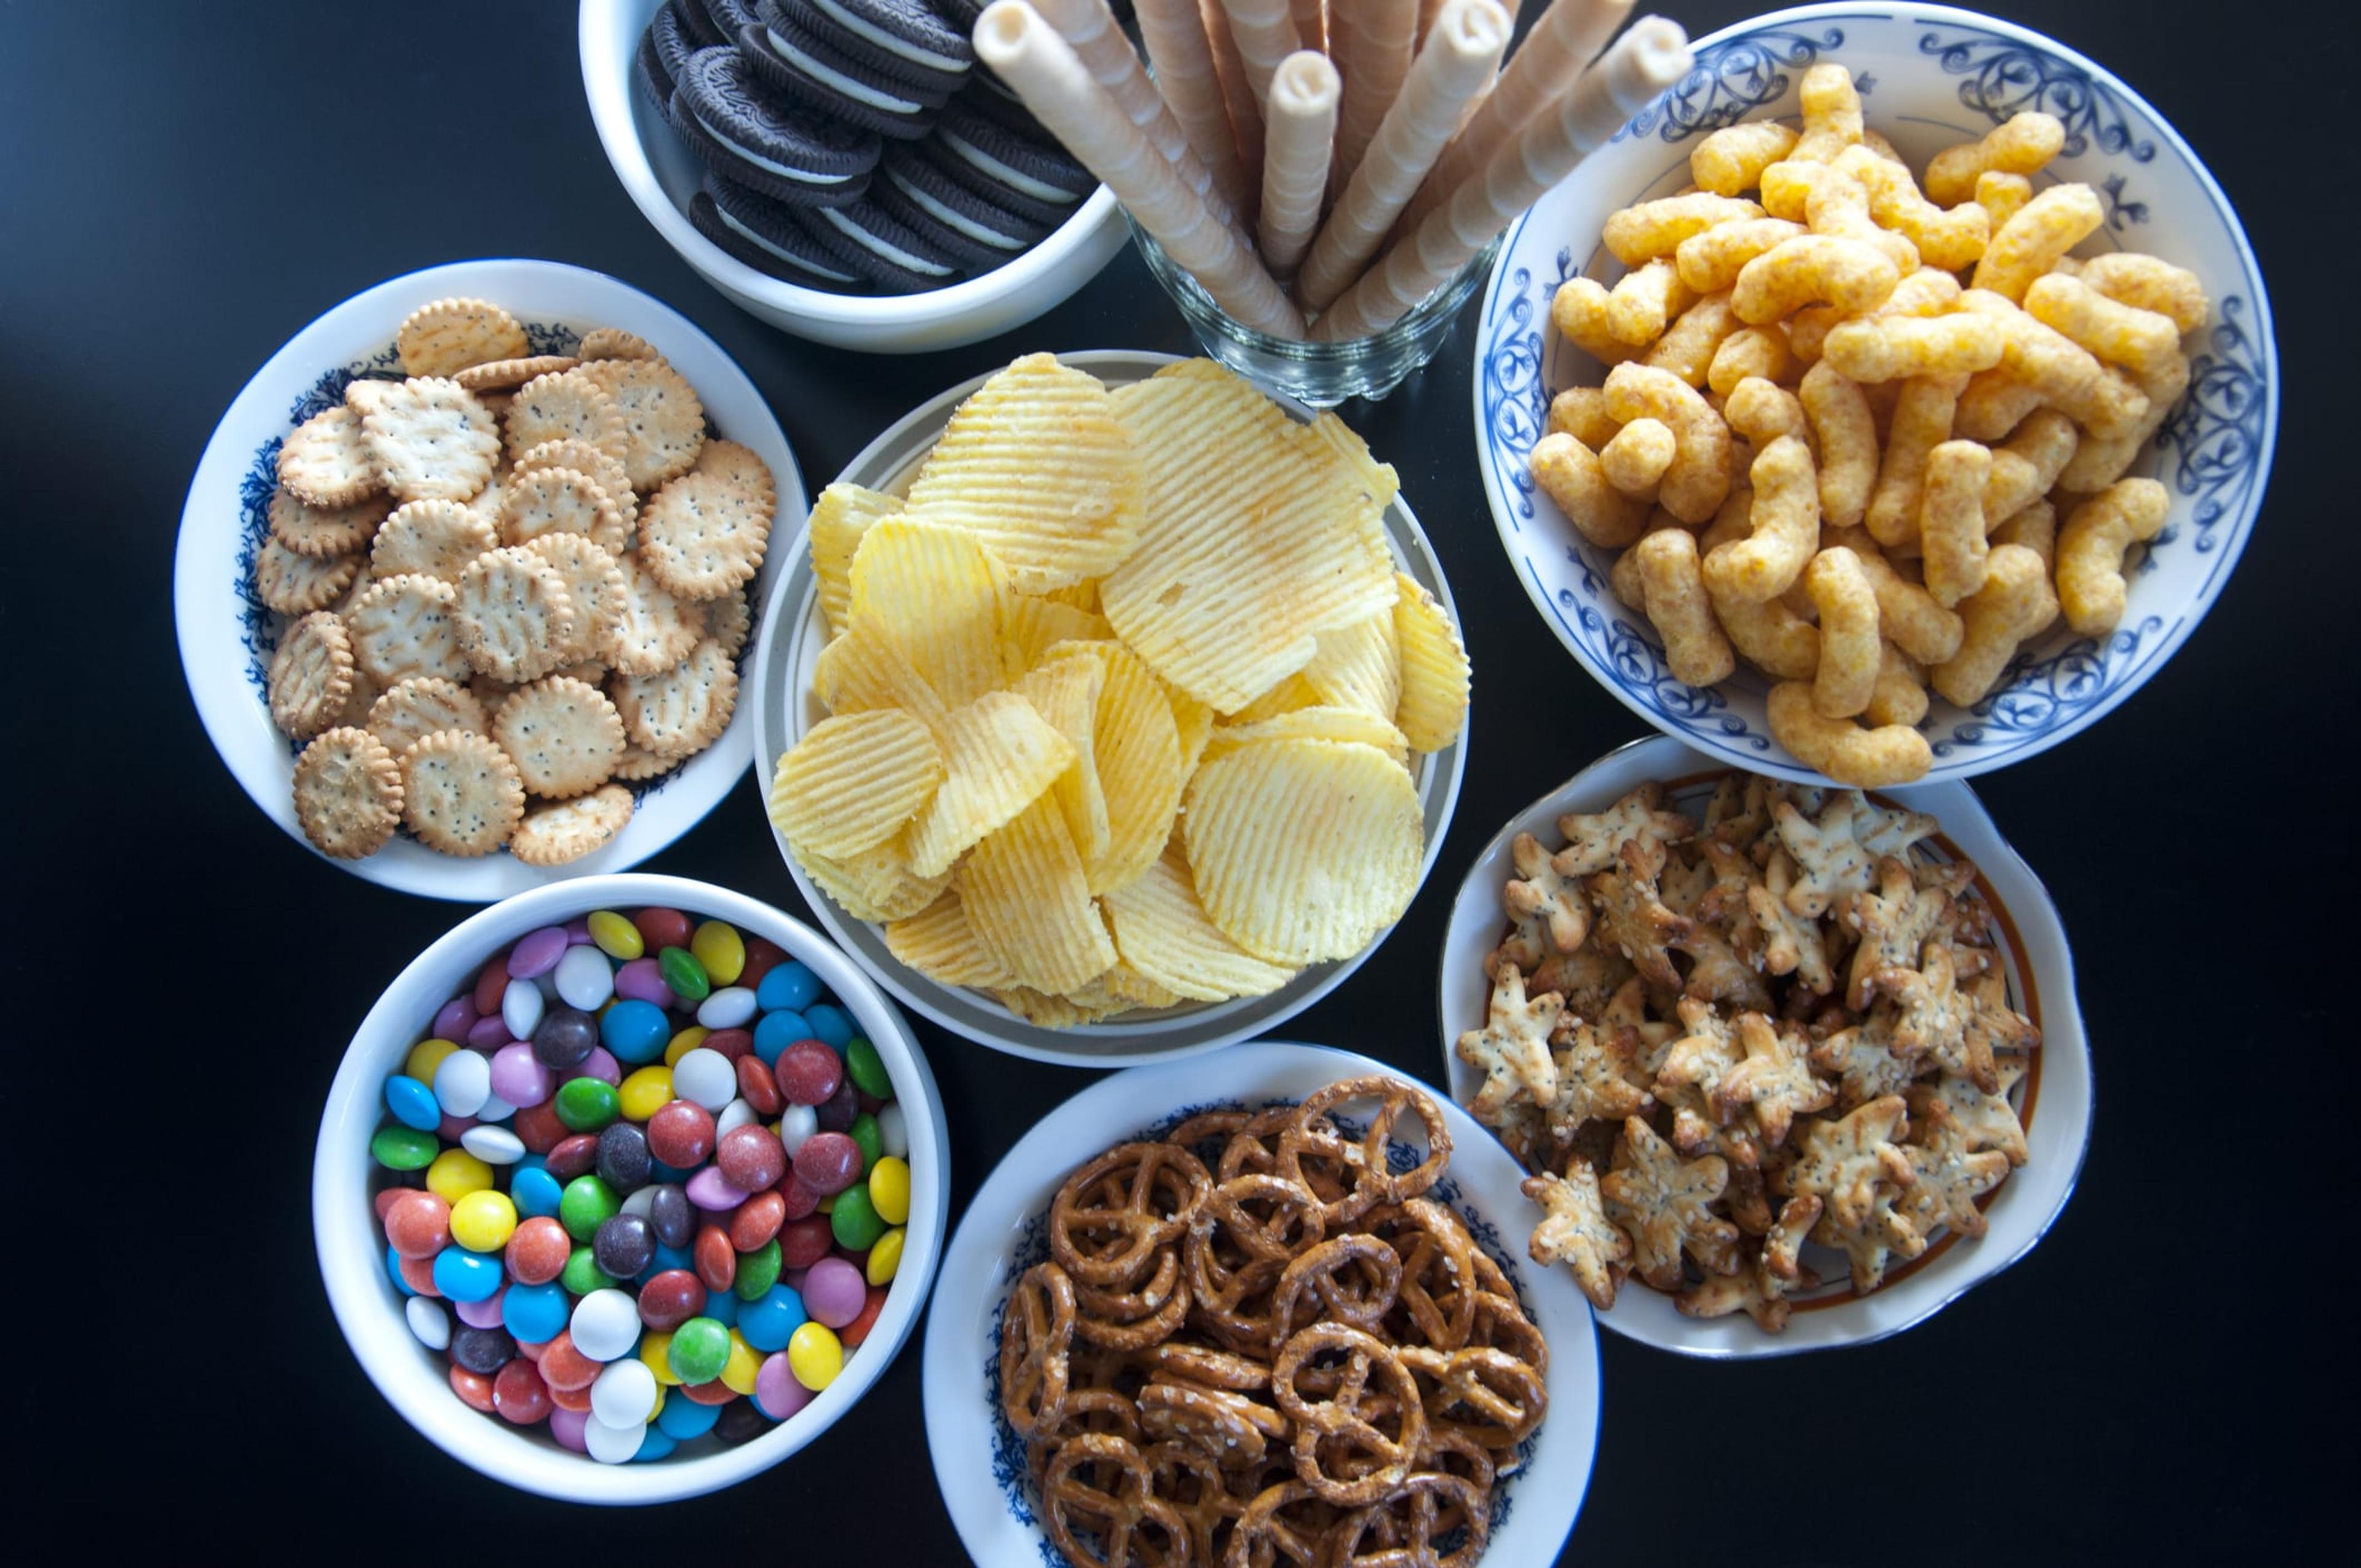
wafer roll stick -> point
(1012, 38)
(1562, 41)
(1237, 94)
(1090, 27)
(1174, 32)
(1653, 56)
(1371, 42)
(1311, 22)
(1459, 57)
(1428, 10)
(1264, 31)
(1300, 137)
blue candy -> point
(636, 1031)
(654, 1444)
(532, 1189)
(464, 1275)
(769, 1323)
(682, 1420)
(831, 1026)
(721, 1306)
(671, 1257)
(535, 1313)
(790, 985)
(777, 1031)
(393, 1267)
(411, 1103)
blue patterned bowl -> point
(1928, 77)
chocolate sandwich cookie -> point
(961, 14)
(902, 39)
(887, 252)
(936, 207)
(648, 72)
(729, 17)
(832, 83)
(1034, 178)
(697, 22)
(762, 143)
(989, 96)
(764, 235)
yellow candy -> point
(425, 1057)
(722, 950)
(455, 1174)
(738, 1372)
(885, 1258)
(688, 1040)
(656, 1349)
(658, 1410)
(815, 1355)
(889, 1189)
(616, 938)
(645, 1092)
(826, 1205)
(483, 1220)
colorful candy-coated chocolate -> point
(519, 1077)
(418, 1223)
(717, 1260)
(672, 1214)
(685, 1420)
(828, 1163)
(564, 1365)
(655, 1350)
(767, 1322)
(840, 1109)
(634, 1030)
(653, 1445)
(463, 1276)
(889, 1189)
(431, 1325)
(808, 1073)
(789, 987)
(664, 928)
(854, 1333)
(492, 984)
(398, 1148)
(705, 1077)
(670, 1299)
(455, 1173)
(833, 1291)
(699, 1348)
(719, 950)
(731, 1007)
(568, 1428)
(521, 1006)
(520, 1395)
(757, 1088)
(583, 979)
(586, 1104)
(588, 1204)
(796, 1124)
(867, 1069)
(804, 1241)
(624, 1246)
(487, 1034)
(684, 975)
(474, 1389)
(731, 1042)
(777, 1392)
(582, 1274)
(683, 1042)
(535, 1312)
(414, 1275)
(483, 1221)
(815, 1355)
(492, 1144)
(757, 1271)
(616, 936)
(735, 1114)
(625, 1393)
(599, 1064)
(681, 1134)
(746, 1363)
(576, 1154)
(763, 956)
(624, 1162)
(606, 1324)
(802, 1201)
(537, 1251)
(864, 1135)
(751, 1157)
(484, 1350)
(854, 1220)
(451, 1025)
(642, 980)
(612, 1444)
(830, 1024)
(757, 1221)
(774, 1032)
(484, 1314)
(645, 1091)
(885, 1258)
(562, 1038)
(413, 1104)
(710, 1190)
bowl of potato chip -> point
(1112, 708)
(1789, 1067)
(1886, 403)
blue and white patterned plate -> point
(980, 1461)
(1929, 76)
(227, 635)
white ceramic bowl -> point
(413, 1379)
(980, 1461)
(1930, 76)
(227, 634)
(793, 633)
(660, 173)
(2054, 1098)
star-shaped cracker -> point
(1752, 1290)
(1587, 978)
(1935, 1015)
(1984, 1117)
(1696, 1133)
(1724, 903)
(1883, 831)
(1895, 918)
(1575, 1231)
(1664, 1203)
(1596, 1068)
(1950, 1177)
(1594, 843)
(1513, 1048)
(1850, 1162)
(1739, 812)
(1716, 972)
(1868, 1245)
(1773, 1083)
(2003, 1029)
(1748, 1196)
(1863, 1061)
(1631, 916)
(1546, 890)
(1790, 943)
(1831, 861)
(1701, 1056)
(1782, 1242)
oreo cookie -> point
(764, 235)
(669, 34)
(730, 17)
(763, 144)
(1033, 178)
(887, 252)
(936, 207)
(902, 39)
(697, 22)
(832, 83)
(648, 73)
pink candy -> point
(776, 1392)
(567, 1427)
(518, 1078)
(641, 981)
(834, 1293)
(537, 952)
(458, 1016)
(708, 1189)
(483, 1314)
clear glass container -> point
(1320, 375)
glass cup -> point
(1320, 375)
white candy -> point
(583, 979)
(495, 1108)
(612, 1446)
(520, 1009)
(737, 1114)
(493, 1145)
(462, 1083)
(606, 1324)
(429, 1322)
(796, 1124)
(625, 1393)
(892, 1131)
(547, 983)
(727, 1008)
(642, 1202)
(705, 1077)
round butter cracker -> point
(311, 676)
(408, 711)
(704, 536)
(308, 530)
(402, 627)
(298, 584)
(348, 794)
(563, 736)
(461, 794)
(450, 335)
(686, 707)
(511, 615)
(432, 441)
(553, 834)
(437, 539)
(327, 462)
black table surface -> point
(182, 187)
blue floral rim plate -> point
(1929, 76)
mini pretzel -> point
(1124, 1520)
(1150, 1327)
(1334, 1422)
(1188, 1479)
(1376, 1180)
(1264, 1536)
(1036, 1329)
(1409, 1528)
(1436, 1270)
(1106, 1227)
(1237, 1431)
(1330, 1272)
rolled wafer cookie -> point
(1266, 33)
(1106, 54)
(1371, 42)
(1653, 56)
(1027, 54)
(1237, 94)
(1300, 132)
(1176, 44)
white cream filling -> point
(801, 176)
(859, 91)
(954, 217)
(806, 263)
(1041, 190)
(863, 27)
(890, 251)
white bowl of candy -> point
(555, 1376)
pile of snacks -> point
(850, 144)
(1123, 694)
(1258, 1339)
(660, 1181)
(1816, 450)
(1711, 1044)
(512, 578)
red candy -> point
(385, 1199)
(418, 1225)
(670, 1299)
(757, 1221)
(537, 1251)
(575, 1399)
(751, 1159)
(735, 1044)
(537, 1126)
(530, 1351)
(714, 1393)
(417, 1273)
(574, 1155)
(565, 1368)
(661, 928)
(828, 1163)
(858, 1330)
(808, 1073)
(804, 1241)
(717, 1260)
(681, 1134)
(799, 1196)
(490, 986)
(757, 1087)
(761, 957)
(520, 1395)
(472, 1387)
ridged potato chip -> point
(1035, 465)
(1302, 851)
(1434, 669)
(1256, 538)
(1163, 933)
(838, 519)
(1051, 1012)
(1359, 666)
(1084, 595)
(1119, 991)
(1378, 480)
(1064, 689)
(863, 670)
(1034, 626)
(939, 594)
(999, 757)
(1023, 892)
(854, 781)
(1193, 722)
(877, 883)
(1291, 694)
(1137, 748)
(1316, 723)
(940, 943)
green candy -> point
(864, 1134)
(684, 974)
(700, 1349)
(398, 1148)
(586, 1104)
(587, 1203)
(582, 1274)
(867, 1069)
(758, 1271)
(854, 1220)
